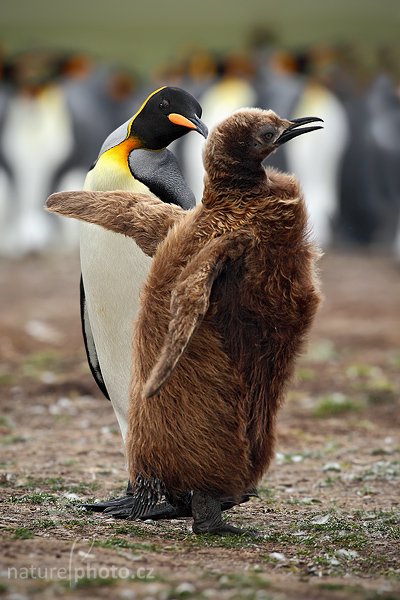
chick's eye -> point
(164, 103)
(268, 136)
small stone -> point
(332, 467)
(64, 402)
(296, 458)
(279, 556)
(42, 331)
(8, 478)
(105, 430)
(321, 520)
(127, 594)
(347, 553)
(71, 496)
(210, 593)
(185, 588)
(149, 522)
(48, 377)
(86, 555)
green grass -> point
(59, 484)
(23, 533)
(9, 440)
(5, 421)
(37, 362)
(34, 498)
(243, 580)
(118, 542)
(44, 524)
(133, 530)
(332, 405)
(321, 352)
(305, 374)
(92, 582)
(7, 379)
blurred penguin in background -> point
(195, 72)
(58, 110)
(359, 212)
(319, 172)
(383, 102)
(81, 85)
(5, 170)
(277, 83)
(231, 90)
(35, 138)
(98, 99)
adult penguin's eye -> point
(164, 103)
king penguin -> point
(134, 158)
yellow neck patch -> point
(121, 152)
(112, 168)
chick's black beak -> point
(193, 122)
(292, 131)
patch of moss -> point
(321, 352)
(133, 530)
(7, 378)
(305, 374)
(34, 498)
(5, 421)
(118, 542)
(23, 533)
(335, 404)
(44, 524)
(9, 440)
(37, 362)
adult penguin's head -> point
(166, 115)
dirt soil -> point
(328, 509)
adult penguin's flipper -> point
(142, 217)
(90, 347)
(190, 301)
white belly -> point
(114, 270)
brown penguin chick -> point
(230, 297)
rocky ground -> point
(328, 508)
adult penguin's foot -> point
(121, 508)
(114, 503)
(162, 510)
(176, 509)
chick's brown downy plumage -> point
(231, 295)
